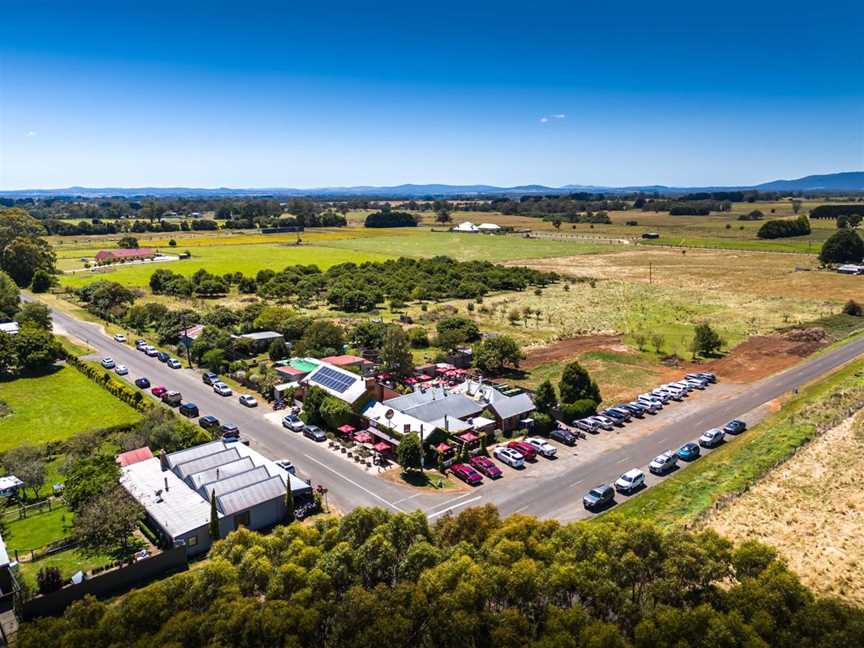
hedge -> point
(102, 378)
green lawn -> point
(38, 530)
(69, 562)
(219, 259)
(56, 406)
(732, 468)
(466, 247)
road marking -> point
(353, 483)
(521, 508)
(410, 497)
(450, 508)
(576, 483)
(623, 460)
(452, 500)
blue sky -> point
(252, 94)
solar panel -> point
(332, 379)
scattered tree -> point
(396, 355)
(576, 384)
(494, 354)
(544, 397)
(106, 522)
(706, 341)
(844, 246)
(409, 453)
(128, 242)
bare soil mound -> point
(572, 347)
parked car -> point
(140, 342)
(688, 452)
(287, 466)
(208, 378)
(161, 356)
(120, 338)
(208, 422)
(151, 351)
(509, 456)
(222, 389)
(620, 412)
(158, 390)
(648, 407)
(542, 446)
(603, 422)
(173, 363)
(189, 410)
(108, 362)
(467, 474)
(486, 466)
(735, 427)
(314, 432)
(617, 418)
(630, 481)
(667, 394)
(121, 370)
(663, 463)
(703, 375)
(172, 398)
(293, 423)
(527, 451)
(564, 436)
(635, 409)
(248, 401)
(661, 398)
(598, 496)
(712, 438)
(229, 431)
(587, 425)
(142, 383)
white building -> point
(488, 227)
(175, 491)
(466, 228)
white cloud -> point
(31, 133)
(547, 118)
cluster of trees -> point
(568, 207)
(374, 579)
(319, 408)
(387, 217)
(684, 207)
(754, 215)
(844, 246)
(835, 211)
(33, 348)
(493, 355)
(23, 253)
(578, 396)
(201, 284)
(81, 228)
(784, 228)
(850, 221)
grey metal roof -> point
(246, 498)
(195, 452)
(220, 472)
(453, 405)
(233, 482)
(507, 406)
(262, 335)
(187, 468)
(415, 398)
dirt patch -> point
(571, 348)
(818, 535)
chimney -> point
(166, 484)
(163, 460)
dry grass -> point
(811, 509)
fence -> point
(107, 584)
(23, 512)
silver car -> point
(663, 463)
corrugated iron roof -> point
(246, 498)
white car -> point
(652, 407)
(222, 389)
(663, 463)
(671, 394)
(542, 446)
(121, 370)
(658, 394)
(509, 456)
(604, 421)
(120, 338)
(108, 362)
(293, 423)
(630, 481)
(712, 438)
(173, 363)
(287, 466)
(248, 401)
(151, 351)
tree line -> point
(374, 579)
(784, 228)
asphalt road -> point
(557, 494)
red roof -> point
(125, 253)
(468, 437)
(134, 456)
(291, 371)
(340, 360)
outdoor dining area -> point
(364, 445)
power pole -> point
(650, 274)
(186, 342)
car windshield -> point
(626, 478)
(595, 492)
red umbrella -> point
(363, 437)
(346, 429)
(381, 446)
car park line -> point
(355, 484)
(455, 506)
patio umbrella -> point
(346, 429)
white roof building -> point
(9, 327)
(339, 383)
(488, 227)
(467, 226)
(175, 491)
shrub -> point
(774, 229)
(577, 410)
(853, 308)
(844, 246)
(49, 579)
(543, 423)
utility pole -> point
(186, 342)
(650, 274)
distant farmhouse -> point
(124, 254)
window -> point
(192, 541)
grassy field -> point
(688, 495)
(219, 259)
(56, 406)
(69, 562)
(38, 530)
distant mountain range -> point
(847, 181)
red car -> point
(485, 466)
(158, 390)
(467, 474)
(526, 450)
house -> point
(489, 227)
(124, 254)
(339, 383)
(437, 407)
(9, 485)
(465, 228)
(175, 490)
(261, 339)
(295, 369)
(509, 405)
(10, 328)
(188, 335)
(350, 362)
